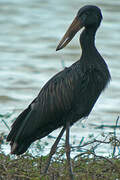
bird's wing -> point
(54, 102)
(46, 111)
(55, 99)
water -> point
(29, 34)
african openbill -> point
(69, 95)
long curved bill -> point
(72, 30)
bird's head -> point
(88, 16)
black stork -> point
(69, 95)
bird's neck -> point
(87, 41)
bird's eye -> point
(85, 14)
(83, 17)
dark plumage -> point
(71, 94)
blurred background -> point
(29, 34)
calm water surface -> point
(29, 34)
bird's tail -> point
(19, 146)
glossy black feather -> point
(69, 96)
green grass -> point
(27, 167)
(87, 164)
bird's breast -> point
(88, 88)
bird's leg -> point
(68, 151)
(53, 150)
